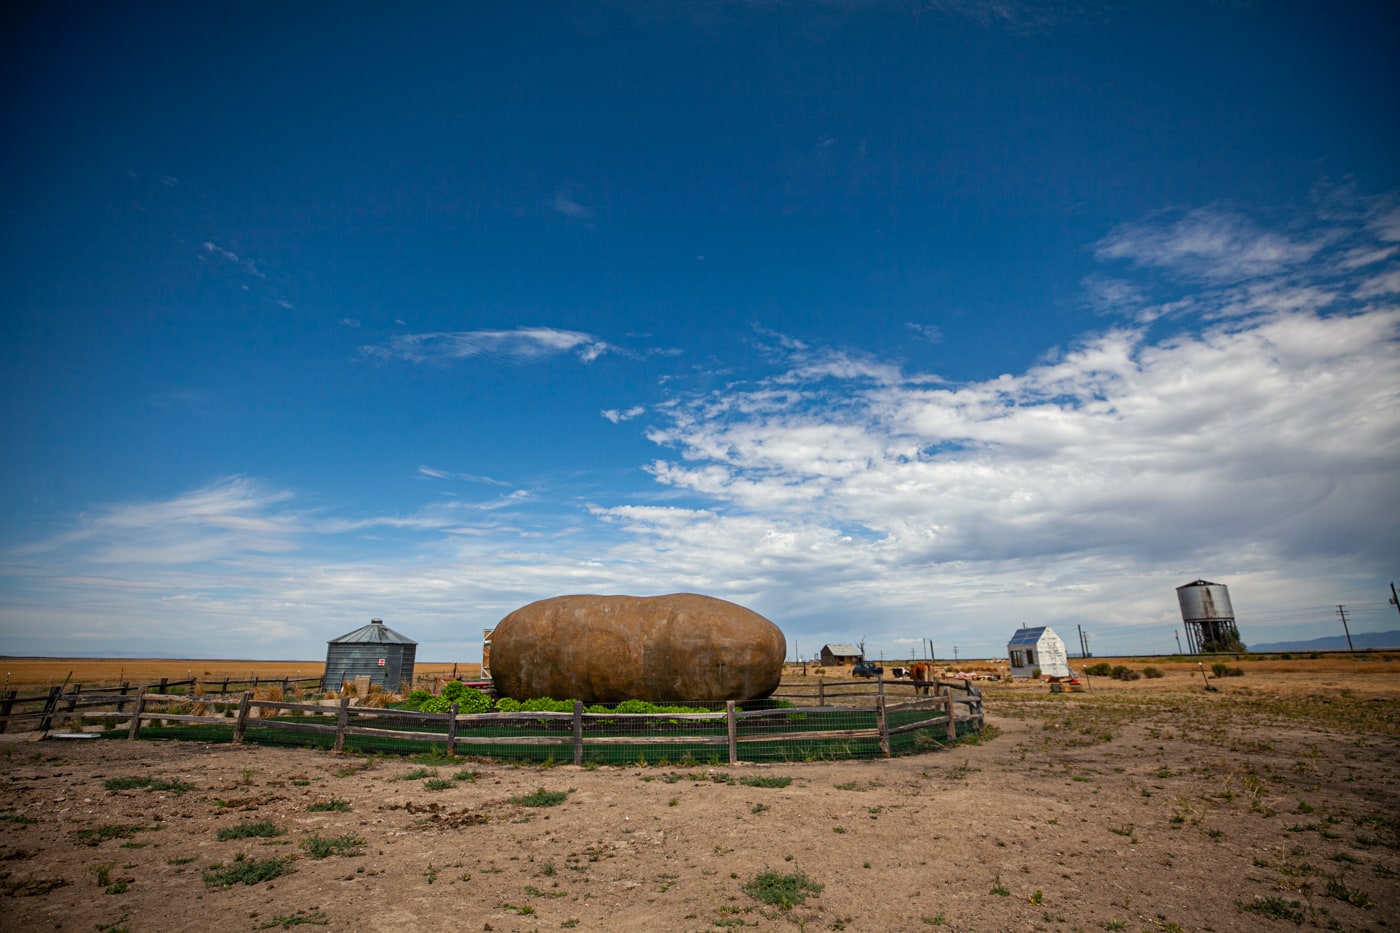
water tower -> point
(1209, 617)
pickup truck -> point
(867, 669)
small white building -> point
(1037, 648)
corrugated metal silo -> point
(375, 651)
(1208, 616)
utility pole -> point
(1394, 600)
(1177, 636)
(1342, 611)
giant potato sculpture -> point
(605, 649)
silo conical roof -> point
(376, 633)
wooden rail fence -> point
(464, 732)
(69, 697)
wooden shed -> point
(839, 655)
(374, 651)
(1037, 648)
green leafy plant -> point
(346, 845)
(245, 871)
(542, 798)
(1276, 908)
(334, 805)
(262, 829)
(782, 890)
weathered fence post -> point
(5, 706)
(244, 704)
(952, 719)
(49, 707)
(883, 724)
(452, 729)
(126, 688)
(821, 691)
(578, 732)
(223, 691)
(733, 727)
(164, 681)
(342, 720)
(136, 711)
(286, 690)
(73, 697)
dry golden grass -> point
(27, 674)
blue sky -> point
(892, 321)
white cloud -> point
(930, 332)
(524, 344)
(1208, 243)
(617, 417)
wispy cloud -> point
(565, 203)
(1208, 243)
(617, 417)
(930, 332)
(522, 345)
(434, 473)
(247, 266)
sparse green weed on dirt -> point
(334, 805)
(262, 829)
(543, 798)
(348, 845)
(1275, 908)
(245, 871)
(176, 787)
(301, 917)
(782, 890)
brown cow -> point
(922, 673)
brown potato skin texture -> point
(606, 649)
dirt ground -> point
(1145, 806)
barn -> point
(374, 651)
(840, 655)
(1037, 648)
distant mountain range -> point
(1359, 641)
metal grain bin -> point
(374, 651)
(1208, 616)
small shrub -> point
(1276, 908)
(1101, 669)
(438, 784)
(543, 798)
(334, 805)
(262, 829)
(1152, 673)
(245, 871)
(780, 890)
(346, 845)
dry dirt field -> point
(1151, 805)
